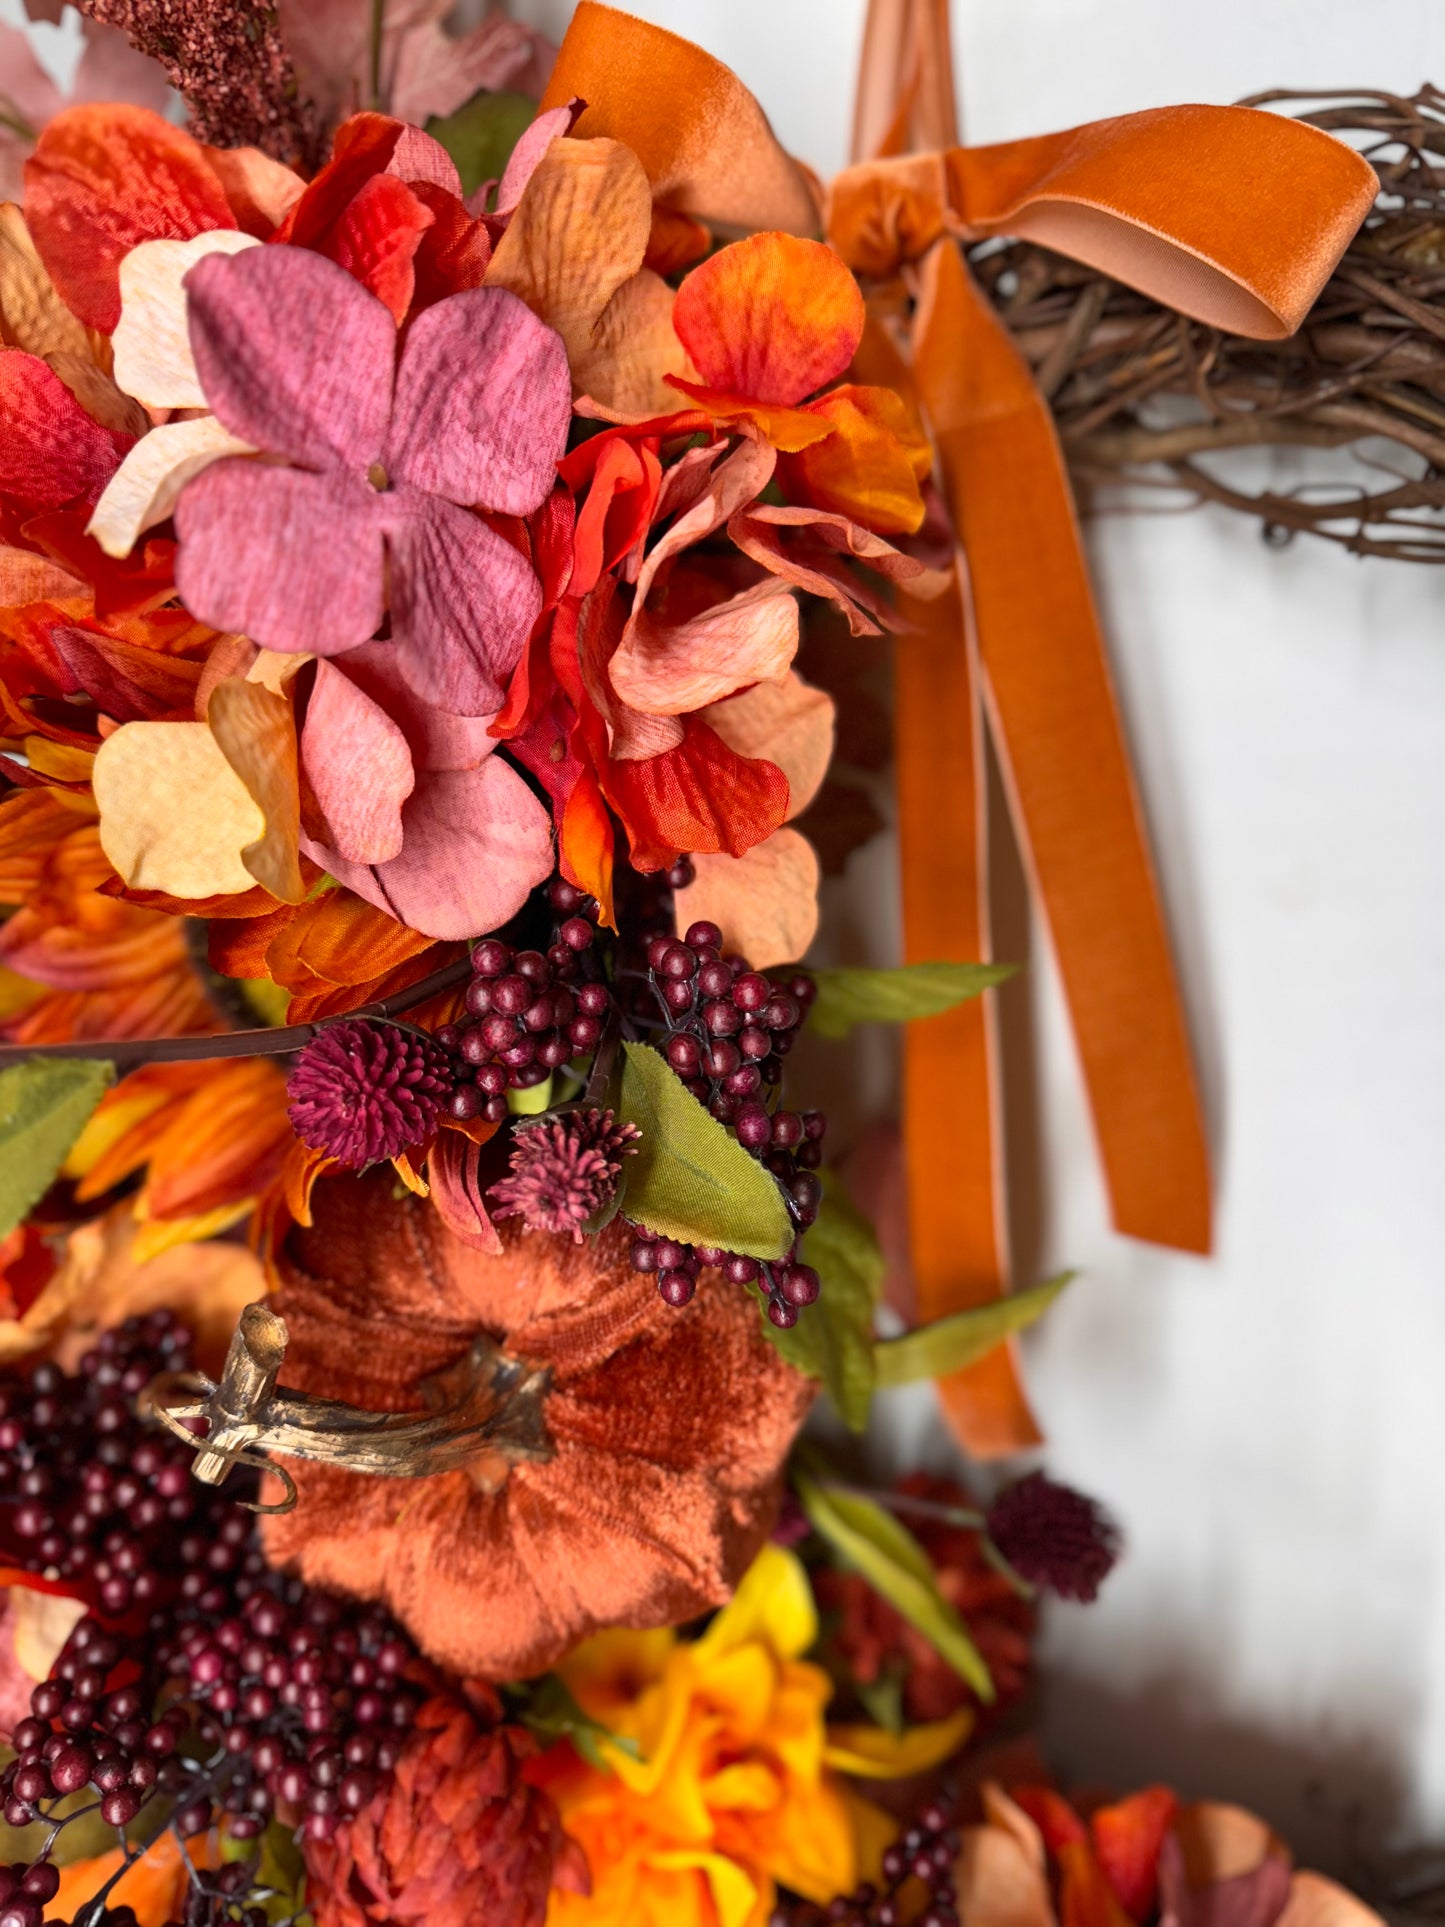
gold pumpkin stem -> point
(484, 1416)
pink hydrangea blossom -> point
(373, 460)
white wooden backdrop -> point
(1269, 1424)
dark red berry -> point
(684, 1053)
(464, 1103)
(577, 934)
(753, 1126)
(799, 1284)
(715, 980)
(675, 1288)
(511, 995)
(739, 1270)
(754, 1043)
(479, 996)
(781, 1012)
(723, 1019)
(585, 1033)
(490, 958)
(701, 933)
(782, 1314)
(532, 965)
(751, 991)
(565, 897)
(787, 1130)
(593, 1000)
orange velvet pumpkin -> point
(667, 1431)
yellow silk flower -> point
(738, 1787)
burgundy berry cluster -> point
(919, 1882)
(199, 1680)
(528, 1012)
(728, 1029)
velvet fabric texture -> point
(669, 1430)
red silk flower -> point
(385, 454)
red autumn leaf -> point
(701, 797)
(103, 179)
(455, 250)
(1127, 1839)
(52, 452)
(124, 682)
(376, 240)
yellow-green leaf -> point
(833, 1339)
(849, 997)
(886, 1554)
(481, 134)
(44, 1105)
(949, 1344)
(690, 1179)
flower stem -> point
(378, 14)
(128, 1053)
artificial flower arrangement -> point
(417, 1273)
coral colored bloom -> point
(770, 321)
(454, 1838)
(731, 1784)
(385, 456)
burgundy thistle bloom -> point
(564, 1170)
(363, 1092)
(1054, 1537)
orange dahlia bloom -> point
(663, 1433)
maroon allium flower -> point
(365, 1091)
(1054, 1537)
(564, 1170)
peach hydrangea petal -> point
(174, 815)
(1315, 1901)
(573, 250)
(463, 602)
(772, 317)
(292, 559)
(476, 843)
(670, 668)
(764, 902)
(261, 191)
(790, 723)
(815, 559)
(146, 487)
(151, 343)
(256, 733)
(293, 354)
(788, 429)
(483, 403)
(345, 734)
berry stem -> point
(277, 1041)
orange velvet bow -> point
(1231, 215)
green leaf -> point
(833, 1339)
(481, 134)
(532, 1101)
(882, 1699)
(690, 1180)
(886, 1554)
(553, 1714)
(44, 1105)
(849, 997)
(949, 1344)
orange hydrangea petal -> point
(676, 241)
(343, 940)
(700, 796)
(773, 317)
(869, 468)
(376, 240)
(103, 179)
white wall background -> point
(1269, 1425)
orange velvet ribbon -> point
(1232, 215)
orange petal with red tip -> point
(585, 844)
(787, 429)
(1127, 1839)
(700, 796)
(103, 179)
(869, 468)
(773, 318)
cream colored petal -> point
(42, 1624)
(765, 903)
(145, 488)
(256, 730)
(153, 359)
(788, 723)
(174, 815)
(275, 671)
(999, 1885)
(579, 233)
